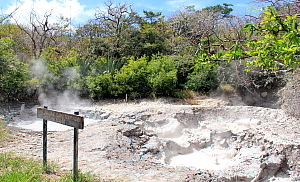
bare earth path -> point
(149, 141)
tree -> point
(271, 49)
(151, 16)
(283, 7)
(41, 33)
(116, 21)
(162, 76)
(154, 39)
(221, 11)
(273, 44)
(20, 47)
(198, 24)
(5, 17)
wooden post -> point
(75, 156)
(45, 142)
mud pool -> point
(165, 142)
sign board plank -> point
(61, 117)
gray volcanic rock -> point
(160, 141)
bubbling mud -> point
(200, 144)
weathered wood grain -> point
(61, 117)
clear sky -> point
(82, 10)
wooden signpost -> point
(72, 120)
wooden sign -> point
(64, 118)
(61, 117)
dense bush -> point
(204, 77)
(132, 77)
(184, 65)
(13, 72)
(138, 78)
(202, 80)
(99, 86)
(162, 75)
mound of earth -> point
(169, 141)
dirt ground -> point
(168, 140)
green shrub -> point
(133, 77)
(204, 77)
(99, 86)
(143, 78)
(13, 72)
(162, 75)
(203, 81)
(184, 65)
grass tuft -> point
(14, 168)
(20, 169)
(82, 177)
(4, 130)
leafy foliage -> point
(121, 53)
(278, 43)
(137, 78)
(222, 10)
(273, 45)
(202, 80)
(204, 75)
(161, 77)
(100, 85)
(12, 71)
(132, 77)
